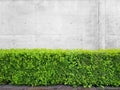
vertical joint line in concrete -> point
(105, 27)
(101, 23)
(98, 12)
(98, 24)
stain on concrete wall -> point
(59, 24)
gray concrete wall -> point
(87, 24)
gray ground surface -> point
(58, 87)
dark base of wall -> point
(59, 87)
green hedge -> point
(43, 67)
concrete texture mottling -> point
(87, 24)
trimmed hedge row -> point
(43, 67)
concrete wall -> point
(87, 24)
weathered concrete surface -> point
(112, 24)
(87, 24)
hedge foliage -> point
(43, 67)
